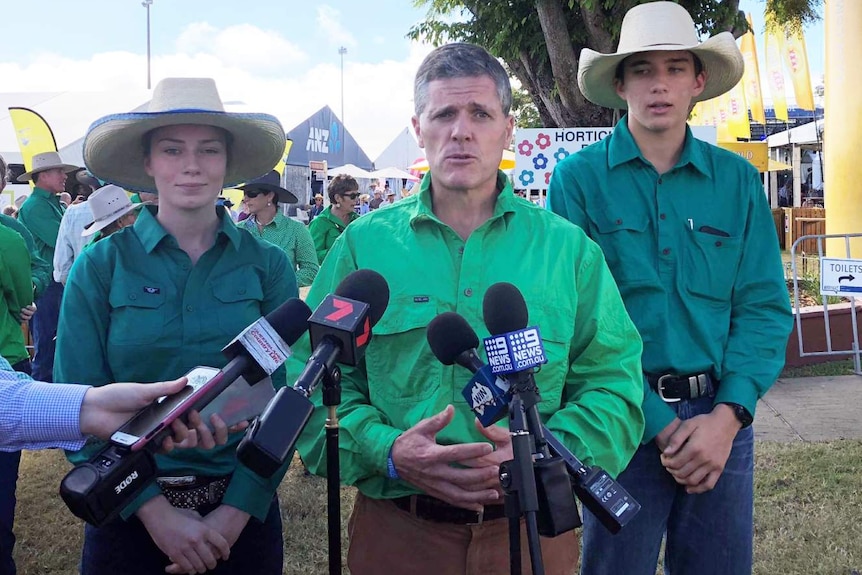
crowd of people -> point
(654, 276)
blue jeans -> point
(8, 478)
(707, 534)
(43, 326)
(126, 547)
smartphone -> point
(240, 401)
(152, 423)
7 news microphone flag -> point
(339, 330)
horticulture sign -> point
(840, 277)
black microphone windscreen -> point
(290, 319)
(449, 335)
(504, 309)
(369, 287)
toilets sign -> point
(841, 277)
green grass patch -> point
(808, 506)
(830, 368)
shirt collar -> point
(43, 193)
(277, 222)
(623, 148)
(151, 232)
(422, 209)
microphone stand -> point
(517, 476)
(331, 399)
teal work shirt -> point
(136, 309)
(696, 258)
(294, 238)
(40, 270)
(16, 291)
(590, 388)
(41, 213)
(325, 229)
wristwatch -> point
(741, 414)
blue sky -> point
(273, 57)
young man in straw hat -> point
(41, 214)
(688, 235)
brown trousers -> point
(385, 540)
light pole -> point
(341, 52)
(146, 4)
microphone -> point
(98, 489)
(339, 330)
(513, 348)
(452, 340)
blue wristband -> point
(391, 472)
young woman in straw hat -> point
(164, 296)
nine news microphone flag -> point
(339, 331)
(97, 490)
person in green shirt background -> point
(41, 214)
(262, 198)
(688, 235)
(408, 439)
(325, 228)
(164, 296)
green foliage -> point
(524, 110)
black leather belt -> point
(432, 509)
(673, 388)
(192, 491)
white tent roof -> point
(401, 152)
(350, 170)
(803, 134)
(395, 173)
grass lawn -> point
(808, 517)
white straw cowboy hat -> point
(114, 145)
(660, 26)
(108, 204)
(45, 161)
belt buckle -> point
(659, 387)
(480, 515)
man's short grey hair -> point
(460, 60)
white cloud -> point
(329, 22)
(378, 97)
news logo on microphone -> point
(486, 394)
(515, 351)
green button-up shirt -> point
(16, 291)
(294, 238)
(41, 214)
(325, 229)
(136, 309)
(40, 270)
(590, 387)
(696, 259)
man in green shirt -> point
(41, 214)
(687, 232)
(427, 474)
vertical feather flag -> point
(33, 134)
(792, 46)
(751, 77)
(775, 72)
(737, 120)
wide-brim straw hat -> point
(271, 183)
(45, 161)
(114, 145)
(662, 26)
(108, 204)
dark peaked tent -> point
(322, 137)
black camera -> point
(96, 491)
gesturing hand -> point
(421, 461)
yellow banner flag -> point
(751, 77)
(737, 113)
(723, 133)
(279, 167)
(33, 134)
(696, 117)
(775, 73)
(792, 45)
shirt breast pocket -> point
(626, 243)
(137, 313)
(711, 265)
(556, 325)
(238, 297)
(399, 363)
